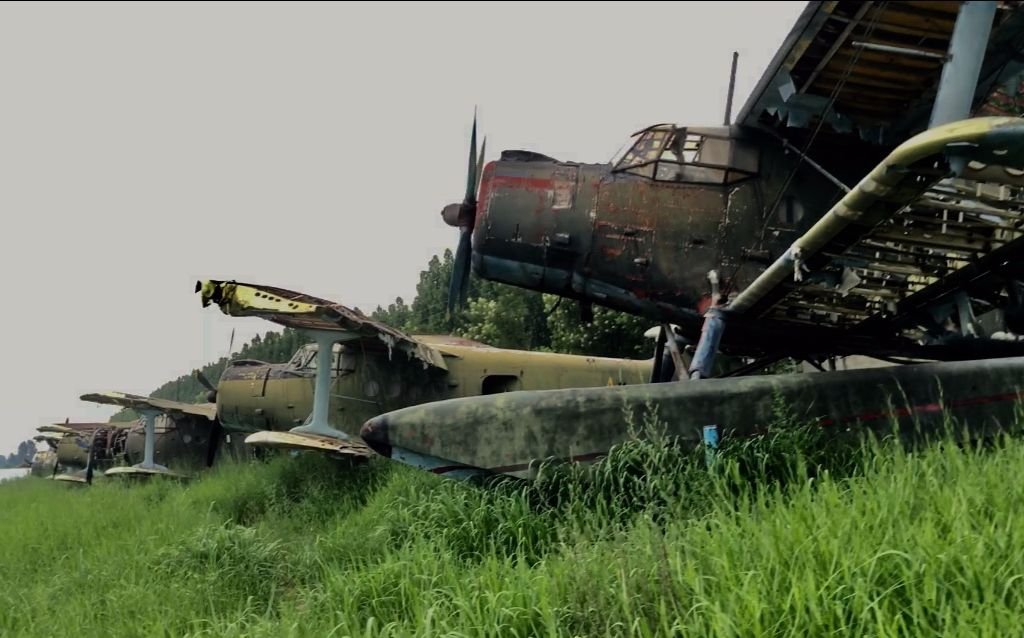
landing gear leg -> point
(659, 354)
(318, 423)
(710, 336)
(148, 463)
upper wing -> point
(297, 310)
(907, 237)
(136, 402)
(871, 69)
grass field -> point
(885, 544)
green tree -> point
(505, 317)
(397, 314)
(26, 450)
(611, 334)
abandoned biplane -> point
(171, 438)
(69, 443)
(867, 200)
(359, 368)
(45, 459)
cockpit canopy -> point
(668, 153)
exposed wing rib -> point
(874, 65)
(905, 233)
(136, 402)
(305, 312)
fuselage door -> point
(258, 385)
(497, 383)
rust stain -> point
(611, 252)
(638, 229)
(522, 183)
(703, 303)
(485, 192)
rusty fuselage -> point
(641, 235)
(254, 396)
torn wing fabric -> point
(305, 312)
(136, 402)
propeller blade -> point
(471, 171)
(460, 271)
(480, 167)
(206, 382)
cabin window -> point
(301, 357)
(666, 153)
(345, 362)
(791, 211)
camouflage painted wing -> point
(905, 236)
(305, 312)
(136, 402)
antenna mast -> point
(732, 88)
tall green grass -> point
(786, 535)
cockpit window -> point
(670, 154)
(342, 361)
(302, 356)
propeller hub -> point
(450, 214)
(460, 215)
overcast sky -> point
(308, 146)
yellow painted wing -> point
(305, 312)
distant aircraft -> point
(171, 438)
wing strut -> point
(707, 346)
(149, 416)
(963, 65)
(318, 423)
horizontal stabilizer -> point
(304, 312)
(309, 442)
(136, 402)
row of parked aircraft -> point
(867, 200)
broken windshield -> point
(697, 156)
